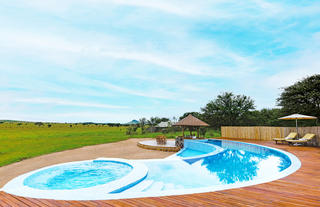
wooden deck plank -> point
(18, 202)
(3, 201)
(119, 203)
(301, 188)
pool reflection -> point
(233, 166)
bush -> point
(165, 131)
(174, 129)
(131, 130)
(38, 124)
(203, 131)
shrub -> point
(165, 131)
(131, 130)
(203, 131)
(38, 124)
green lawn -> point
(18, 142)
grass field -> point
(20, 141)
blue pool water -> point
(79, 175)
(239, 163)
(190, 153)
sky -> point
(118, 60)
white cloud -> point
(291, 76)
(68, 52)
(151, 51)
(102, 117)
(217, 9)
(62, 102)
(296, 69)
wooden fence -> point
(267, 133)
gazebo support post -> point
(297, 127)
(198, 136)
(183, 131)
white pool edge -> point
(98, 192)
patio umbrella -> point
(296, 117)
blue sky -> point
(118, 60)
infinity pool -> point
(202, 166)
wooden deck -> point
(299, 189)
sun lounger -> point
(304, 140)
(290, 136)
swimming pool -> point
(83, 180)
(202, 166)
(78, 175)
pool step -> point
(156, 186)
(168, 186)
(151, 185)
(140, 186)
(179, 187)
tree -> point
(264, 117)
(195, 114)
(142, 123)
(164, 119)
(302, 97)
(156, 120)
(227, 109)
(153, 121)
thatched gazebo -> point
(191, 121)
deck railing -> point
(266, 133)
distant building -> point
(164, 124)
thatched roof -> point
(191, 121)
